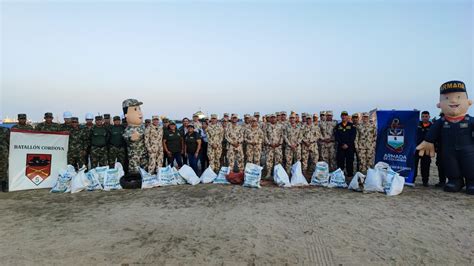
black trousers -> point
(425, 167)
(439, 164)
(345, 160)
(204, 159)
(459, 164)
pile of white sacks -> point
(380, 179)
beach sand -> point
(218, 224)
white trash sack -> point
(387, 177)
(221, 177)
(208, 176)
(189, 175)
(100, 173)
(280, 177)
(337, 179)
(112, 178)
(80, 181)
(252, 175)
(374, 181)
(396, 186)
(357, 182)
(148, 180)
(167, 177)
(297, 177)
(320, 176)
(177, 177)
(94, 182)
(63, 183)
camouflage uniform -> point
(154, 146)
(99, 137)
(224, 160)
(273, 136)
(65, 127)
(4, 148)
(365, 144)
(254, 139)
(78, 141)
(215, 136)
(52, 127)
(137, 154)
(117, 151)
(311, 135)
(292, 136)
(328, 150)
(23, 127)
(234, 135)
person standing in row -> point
(117, 152)
(215, 135)
(154, 145)
(365, 144)
(203, 158)
(345, 136)
(423, 127)
(235, 138)
(328, 148)
(292, 137)
(22, 123)
(254, 138)
(192, 146)
(273, 141)
(78, 142)
(173, 144)
(99, 137)
(67, 116)
(310, 137)
(48, 125)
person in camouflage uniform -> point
(254, 138)
(48, 125)
(235, 138)
(78, 139)
(225, 126)
(328, 147)
(99, 138)
(215, 136)
(66, 126)
(309, 148)
(274, 142)
(154, 145)
(196, 123)
(22, 123)
(4, 148)
(116, 143)
(365, 142)
(292, 136)
(134, 136)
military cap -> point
(328, 112)
(147, 120)
(21, 116)
(89, 116)
(253, 119)
(166, 120)
(67, 115)
(314, 115)
(277, 113)
(116, 118)
(226, 114)
(271, 115)
(195, 114)
(365, 114)
(172, 122)
(246, 116)
(234, 115)
(256, 114)
(48, 115)
(344, 113)
(322, 113)
(106, 116)
(98, 117)
(190, 125)
(452, 86)
(355, 115)
(283, 113)
(155, 117)
(213, 116)
(131, 102)
(74, 119)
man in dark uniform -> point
(48, 125)
(107, 122)
(99, 137)
(455, 133)
(116, 143)
(423, 128)
(22, 123)
(345, 135)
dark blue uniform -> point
(456, 140)
(425, 159)
(345, 157)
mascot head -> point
(132, 112)
(453, 99)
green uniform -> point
(53, 127)
(78, 141)
(65, 127)
(116, 145)
(4, 147)
(98, 140)
(23, 127)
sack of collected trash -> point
(63, 183)
(297, 177)
(357, 182)
(100, 173)
(189, 175)
(208, 176)
(221, 176)
(396, 186)
(177, 177)
(79, 182)
(236, 178)
(112, 178)
(320, 176)
(373, 181)
(148, 180)
(166, 177)
(337, 179)
(94, 183)
(280, 177)
(252, 175)
(387, 177)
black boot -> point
(454, 185)
(4, 186)
(470, 187)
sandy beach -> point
(233, 225)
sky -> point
(178, 57)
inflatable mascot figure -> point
(455, 135)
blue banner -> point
(396, 141)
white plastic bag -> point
(321, 175)
(221, 177)
(166, 177)
(357, 182)
(208, 176)
(94, 183)
(177, 177)
(252, 175)
(100, 173)
(337, 179)
(189, 175)
(79, 182)
(382, 166)
(396, 186)
(112, 178)
(373, 182)
(387, 178)
(148, 180)
(63, 183)
(297, 177)
(280, 177)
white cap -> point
(89, 116)
(67, 115)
